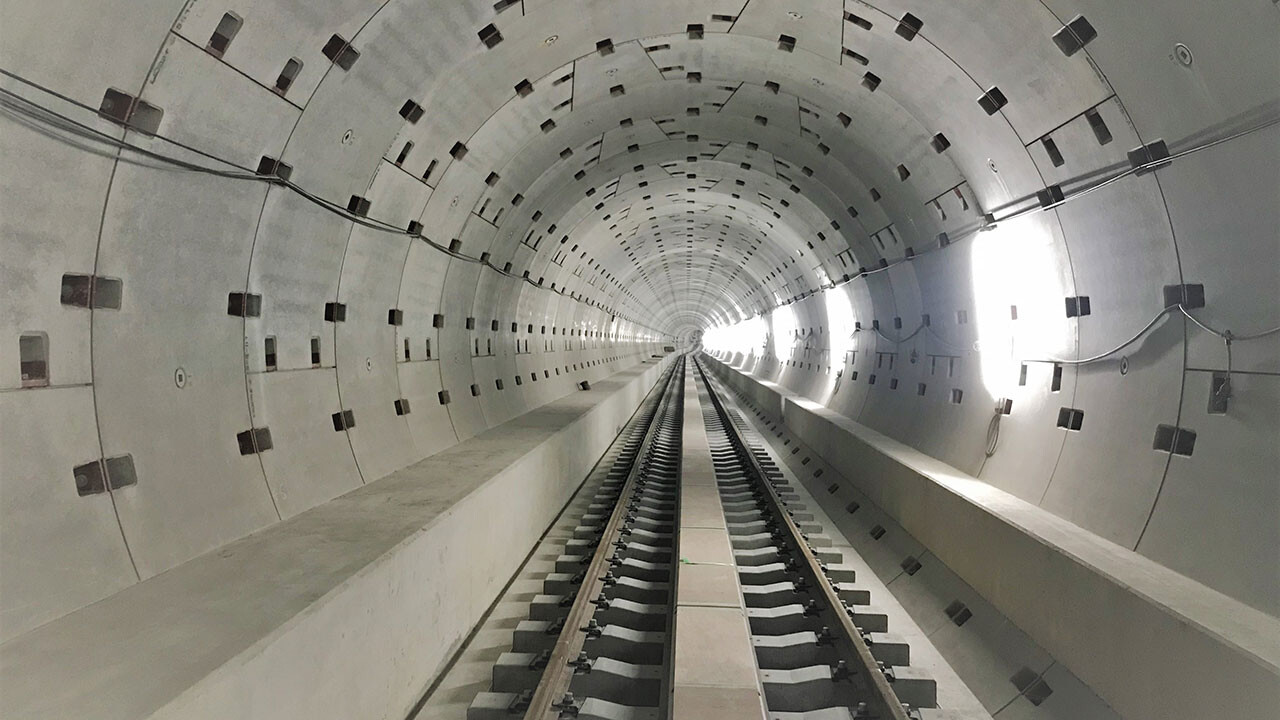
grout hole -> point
(1099, 126)
(290, 73)
(1055, 155)
(404, 153)
(33, 354)
(857, 20)
(226, 31)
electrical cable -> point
(34, 111)
(28, 108)
(993, 434)
(1162, 161)
(921, 326)
(1222, 392)
(899, 341)
(1227, 336)
(1098, 185)
(1113, 351)
(944, 341)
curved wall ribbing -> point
(654, 179)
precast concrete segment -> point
(349, 589)
(595, 641)
(1148, 641)
(714, 673)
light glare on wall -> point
(840, 324)
(1017, 283)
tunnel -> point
(325, 326)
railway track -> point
(618, 632)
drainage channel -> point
(596, 644)
(813, 641)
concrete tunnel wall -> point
(1082, 613)
(655, 168)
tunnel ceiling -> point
(629, 153)
(705, 170)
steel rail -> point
(545, 703)
(884, 702)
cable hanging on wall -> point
(1225, 335)
(1222, 392)
(35, 112)
(928, 327)
(28, 111)
(990, 221)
